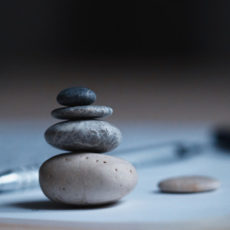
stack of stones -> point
(83, 176)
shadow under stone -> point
(159, 192)
(49, 205)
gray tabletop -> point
(23, 143)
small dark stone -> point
(76, 96)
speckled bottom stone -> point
(86, 178)
(188, 184)
(82, 112)
(88, 135)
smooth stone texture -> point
(76, 96)
(87, 135)
(188, 184)
(82, 112)
(86, 178)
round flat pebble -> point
(188, 184)
(76, 96)
(86, 178)
(85, 135)
(82, 112)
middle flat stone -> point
(82, 112)
(88, 135)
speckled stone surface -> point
(87, 135)
(82, 112)
(188, 184)
(86, 178)
(76, 96)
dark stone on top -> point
(82, 112)
(76, 96)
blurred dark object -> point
(222, 137)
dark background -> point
(153, 60)
(114, 28)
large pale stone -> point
(86, 178)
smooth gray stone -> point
(76, 96)
(88, 135)
(188, 184)
(86, 178)
(82, 112)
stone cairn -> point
(83, 176)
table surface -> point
(23, 143)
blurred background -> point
(154, 60)
(162, 65)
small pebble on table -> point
(188, 184)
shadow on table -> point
(48, 205)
